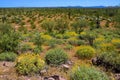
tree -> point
(79, 25)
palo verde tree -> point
(79, 25)
(48, 26)
(61, 25)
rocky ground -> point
(7, 72)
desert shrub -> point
(7, 56)
(68, 47)
(59, 36)
(46, 37)
(37, 50)
(56, 56)
(79, 25)
(107, 47)
(84, 52)
(74, 41)
(52, 43)
(24, 47)
(48, 25)
(9, 42)
(98, 41)
(116, 43)
(29, 64)
(38, 39)
(84, 72)
(110, 60)
(70, 34)
(9, 39)
(88, 36)
(61, 25)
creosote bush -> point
(84, 72)
(8, 56)
(29, 63)
(56, 56)
(85, 52)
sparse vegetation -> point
(54, 39)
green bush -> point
(27, 64)
(68, 47)
(61, 25)
(67, 35)
(25, 47)
(98, 41)
(7, 56)
(59, 36)
(5, 28)
(116, 43)
(89, 36)
(85, 52)
(107, 47)
(87, 73)
(38, 39)
(56, 56)
(48, 25)
(74, 41)
(110, 60)
(9, 39)
(79, 25)
(37, 50)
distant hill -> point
(87, 7)
(69, 7)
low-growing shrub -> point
(25, 47)
(107, 47)
(9, 38)
(84, 72)
(98, 41)
(52, 43)
(111, 60)
(74, 41)
(29, 64)
(85, 52)
(68, 47)
(59, 36)
(37, 49)
(88, 36)
(56, 56)
(46, 37)
(7, 56)
(116, 43)
(70, 34)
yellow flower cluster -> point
(116, 42)
(46, 37)
(29, 63)
(107, 47)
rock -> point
(45, 78)
(50, 78)
(55, 77)
(69, 62)
(94, 61)
(117, 76)
(65, 66)
(61, 78)
(42, 72)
